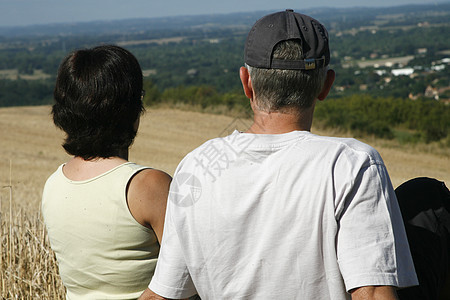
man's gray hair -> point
(277, 90)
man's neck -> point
(281, 122)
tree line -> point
(422, 120)
(408, 121)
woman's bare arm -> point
(147, 199)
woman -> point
(104, 215)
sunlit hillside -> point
(30, 141)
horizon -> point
(23, 13)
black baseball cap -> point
(282, 26)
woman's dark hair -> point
(98, 101)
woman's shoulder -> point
(149, 178)
(147, 197)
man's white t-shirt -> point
(287, 216)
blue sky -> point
(29, 12)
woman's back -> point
(102, 251)
(104, 215)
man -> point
(277, 212)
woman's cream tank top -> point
(102, 251)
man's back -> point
(257, 216)
(277, 212)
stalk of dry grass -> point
(28, 268)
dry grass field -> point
(30, 151)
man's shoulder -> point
(342, 144)
(209, 146)
(351, 143)
(211, 143)
(349, 146)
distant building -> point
(149, 72)
(414, 97)
(192, 72)
(402, 72)
(422, 51)
(431, 92)
(438, 67)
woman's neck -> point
(78, 168)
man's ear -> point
(331, 75)
(246, 82)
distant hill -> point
(186, 57)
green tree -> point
(152, 94)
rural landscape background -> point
(392, 92)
